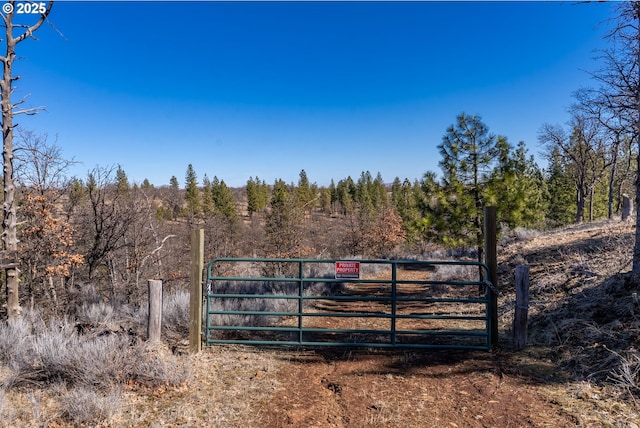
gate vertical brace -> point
(207, 327)
(300, 301)
(394, 295)
(491, 260)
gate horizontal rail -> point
(284, 302)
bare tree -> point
(106, 219)
(9, 109)
(40, 166)
(46, 237)
(620, 79)
(584, 148)
(599, 105)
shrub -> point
(84, 405)
(56, 353)
(154, 367)
(175, 315)
(15, 335)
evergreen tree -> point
(469, 154)
(122, 182)
(174, 197)
(192, 195)
(283, 223)
(431, 200)
(207, 196)
(405, 204)
(252, 196)
(304, 192)
(257, 195)
(379, 194)
(325, 200)
(76, 194)
(346, 190)
(334, 195)
(516, 187)
(560, 191)
(223, 200)
(364, 192)
(396, 194)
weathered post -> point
(491, 260)
(195, 300)
(154, 325)
(522, 307)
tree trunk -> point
(580, 202)
(591, 205)
(9, 223)
(636, 247)
(9, 234)
(612, 179)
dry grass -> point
(584, 317)
(581, 367)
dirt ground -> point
(329, 387)
(427, 389)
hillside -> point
(581, 367)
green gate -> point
(352, 303)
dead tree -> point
(9, 110)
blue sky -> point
(242, 89)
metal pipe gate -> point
(351, 303)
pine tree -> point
(122, 182)
(560, 192)
(283, 221)
(334, 195)
(325, 200)
(379, 194)
(405, 204)
(207, 196)
(223, 201)
(346, 190)
(174, 199)
(469, 154)
(364, 194)
(192, 195)
(304, 192)
(257, 195)
(516, 187)
(252, 196)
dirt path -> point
(400, 389)
(365, 388)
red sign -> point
(348, 270)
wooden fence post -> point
(491, 259)
(154, 325)
(522, 307)
(195, 295)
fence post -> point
(154, 324)
(195, 295)
(491, 259)
(522, 307)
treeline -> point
(105, 231)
